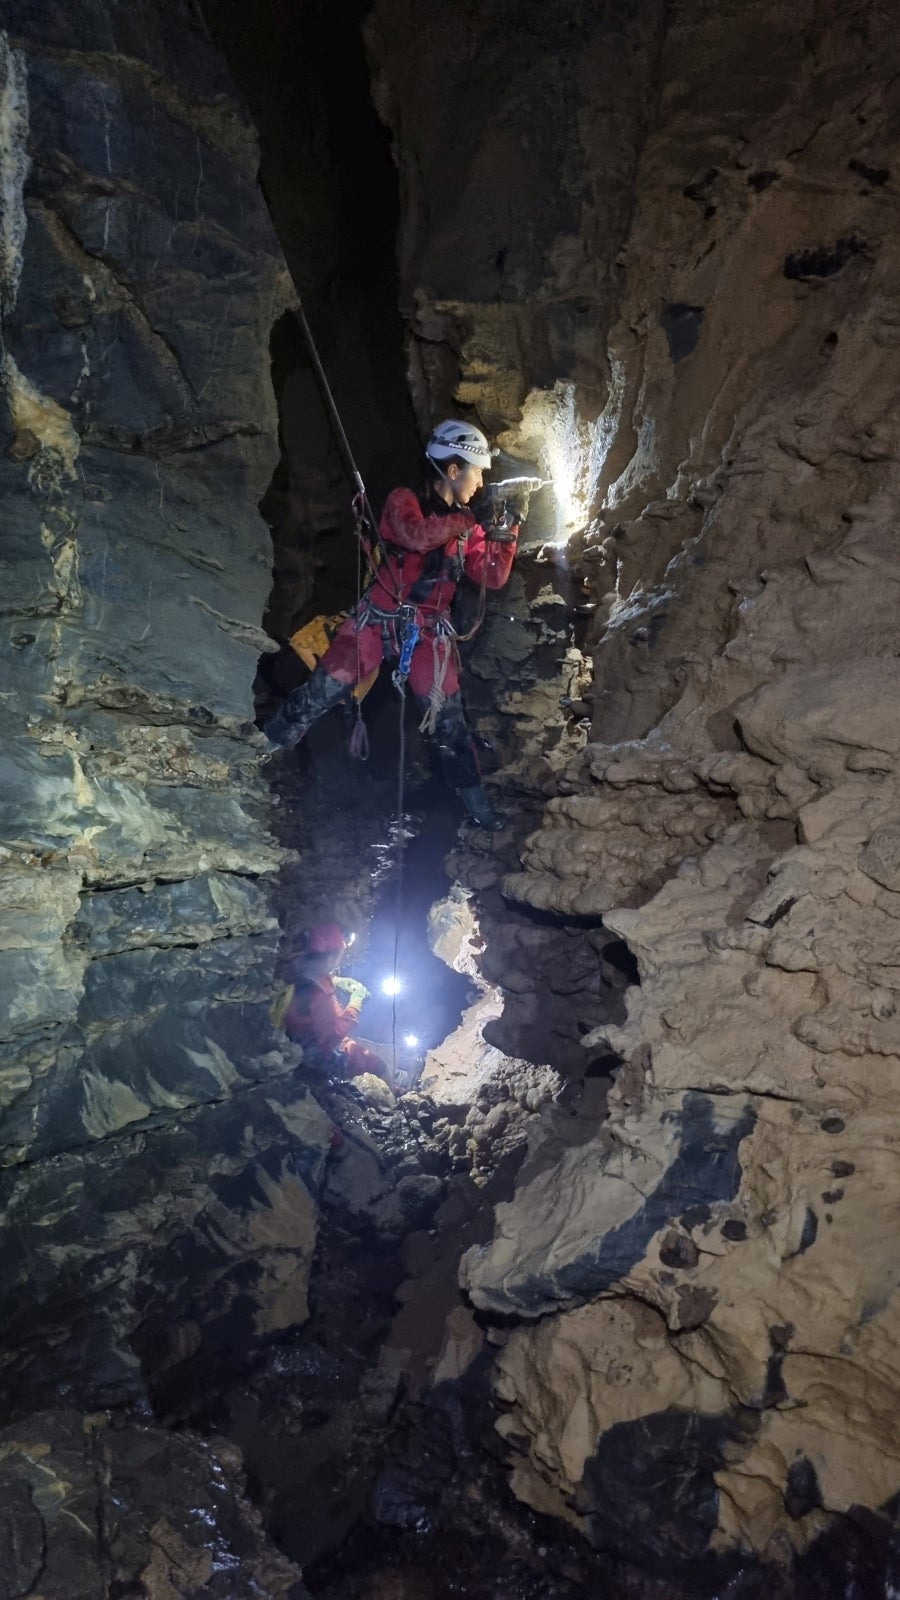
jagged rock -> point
(580, 1226)
(141, 278)
(151, 1260)
(88, 1510)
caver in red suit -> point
(318, 1019)
(430, 542)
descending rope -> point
(359, 738)
(401, 852)
(335, 415)
(359, 743)
(367, 545)
(361, 505)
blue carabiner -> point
(409, 638)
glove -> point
(355, 992)
(503, 531)
(518, 501)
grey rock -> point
(87, 1510)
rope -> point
(359, 738)
(401, 852)
(436, 698)
(361, 505)
(334, 414)
(359, 742)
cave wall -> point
(708, 1358)
(327, 176)
(159, 1161)
(516, 134)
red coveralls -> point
(316, 1020)
(429, 546)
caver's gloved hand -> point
(356, 992)
(500, 507)
(503, 530)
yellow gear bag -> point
(311, 642)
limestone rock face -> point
(160, 1160)
(708, 1355)
(516, 135)
(88, 1510)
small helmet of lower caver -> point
(458, 439)
(326, 938)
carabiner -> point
(408, 638)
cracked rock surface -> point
(88, 1510)
(160, 1159)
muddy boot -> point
(477, 802)
(303, 707)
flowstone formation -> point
(161, 1161)
(707, 1354)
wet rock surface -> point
(161, 1159)
(89, 1509)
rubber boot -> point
(477, 802)
(303, 707)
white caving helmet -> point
(458, 439)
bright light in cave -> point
(391, 986)
(410, 1040)
(570, 448)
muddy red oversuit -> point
(428, 547)
(316, 1020)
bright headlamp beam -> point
(391, 986)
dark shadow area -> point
(329, 179)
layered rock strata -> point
(160, 1158)
(88, 1510)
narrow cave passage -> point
(604, 1303)
(362, 1466)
